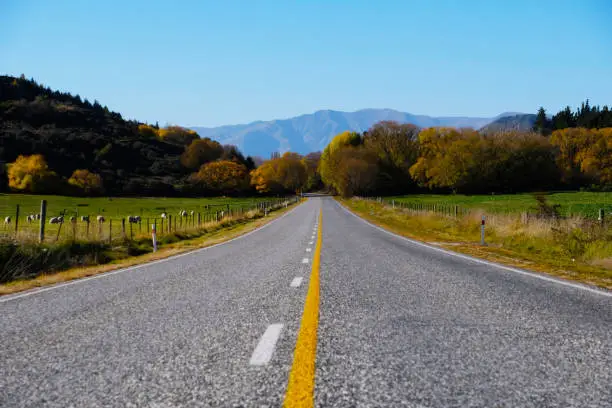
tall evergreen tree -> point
(542, 124)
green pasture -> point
(586, 204)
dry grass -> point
(218, 232)
(572, 248)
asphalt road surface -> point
(399, 324)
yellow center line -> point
(300, 390)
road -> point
(399, 324)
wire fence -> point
(601, 215)
(35, 225)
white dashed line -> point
(311, 242)
(305, 260)
(296, 282)
(308, 249)
(265, 348)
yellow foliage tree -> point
(201, 151)
(223, 177)
(148, 131)
(330, 158)
(287, 173)
(31, 174)
(86, 181)
(584, 153)
(178, 135)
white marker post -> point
(482, 231)
(154, 233)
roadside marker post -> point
(153, 232)
(482, 231)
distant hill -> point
(521, 122)
(72, 133)
(312, 132)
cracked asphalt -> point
(399, 325)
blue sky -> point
(224, 62)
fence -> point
(35, 225)
(602, 216)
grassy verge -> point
(107, 258)
(571, 249)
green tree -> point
(542, 124)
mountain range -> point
(312, 132)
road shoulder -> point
(485, 254)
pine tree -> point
(542, 124)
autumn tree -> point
(222, 177)
(395, 147)
(595, 157)
(177, 135)
(86, 182)
(147, 131)
(584, 155)
(201, 151)
(283, 174)
(447, 159)
(31, 174)
(331, 158)
(313, 178)
(357, 171)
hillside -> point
(520, 122)
(312, 132)
(75, 134)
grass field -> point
(584, 204)
(111, 208)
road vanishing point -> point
(316, 308)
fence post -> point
(482, 231)
(154, 236)
(43, 216)
(16, 220)
(393, 204)
(131, 231)
(110, 231)
(456, 211)
(601, 217)
(123, 228)
(162, 225)
(199, 219)
(73, 229)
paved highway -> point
(399, 324)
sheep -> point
(183, 213)
(85, 218)
(134, 219)
(191, 213)
(56, 220)
(100, 218)
(164, 215)
(73, 219)
(30, 218)
(7, 220)
(37, 216)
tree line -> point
(392, 158)
(53, 142)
